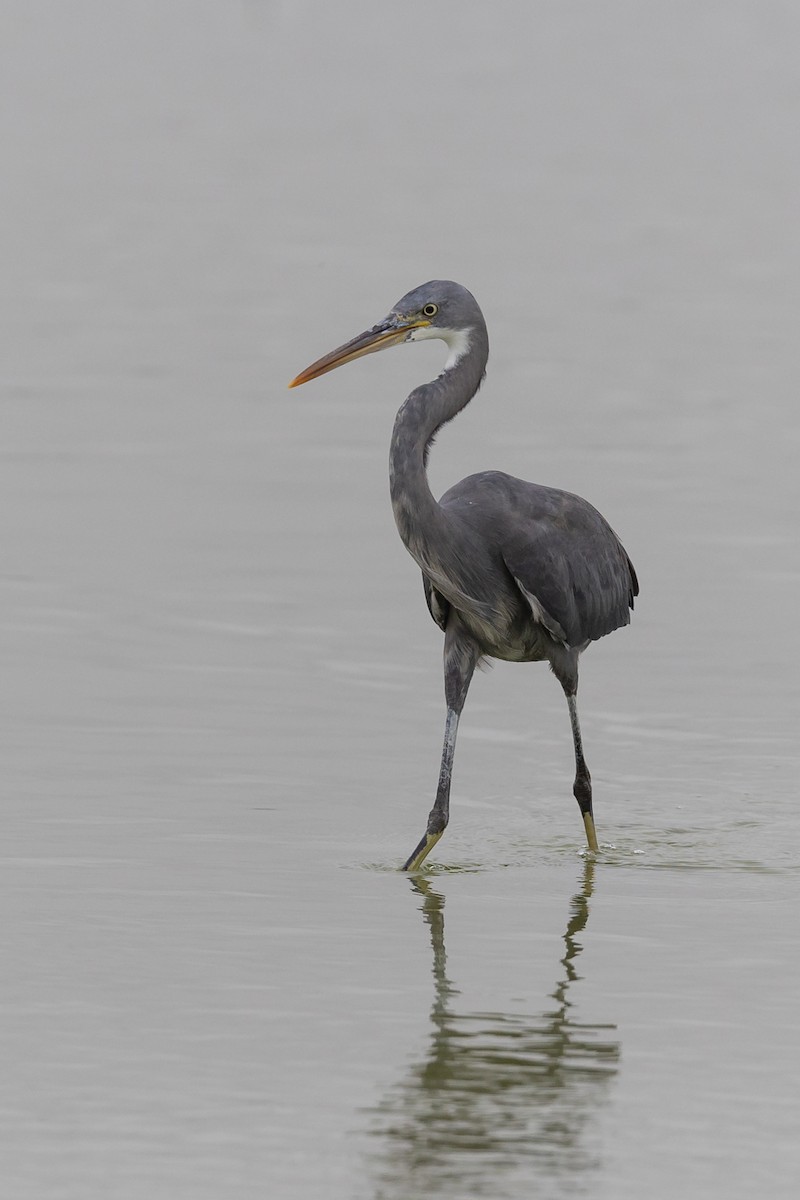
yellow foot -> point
(591, 836)
(422, 851)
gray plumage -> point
(511, 569)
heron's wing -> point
(564, 558)
(574, 571)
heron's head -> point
(439, 309)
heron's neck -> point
(426, 410)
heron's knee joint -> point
(437, 821)
(582, 792)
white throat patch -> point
(458, 341)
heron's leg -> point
(582, 788)
(440, 813)
(461, 655)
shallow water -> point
(221, 694)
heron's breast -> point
(507, 635)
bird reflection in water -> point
(499, 1097)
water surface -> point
(221, 694)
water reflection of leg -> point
(497, 1092)
(433, 915)
(579, 909)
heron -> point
(511, 570)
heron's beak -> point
(390, 332)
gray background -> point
(220, 689)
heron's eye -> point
(430, 310)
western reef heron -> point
(511, 570)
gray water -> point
(221, 695)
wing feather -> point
(561, 553)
